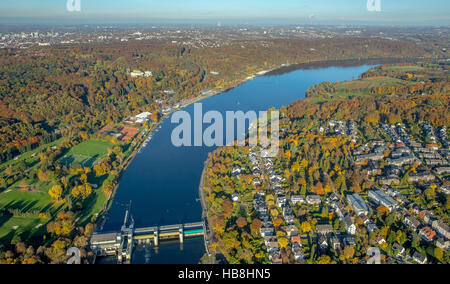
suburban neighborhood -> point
(403, 168)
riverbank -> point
(208, 233)
(102, 217)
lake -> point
(162, 181)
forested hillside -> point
(45, 90)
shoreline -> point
(207, 235)
(342, 63)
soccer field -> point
(86, 153)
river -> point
(162, 181)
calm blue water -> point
(162, 181)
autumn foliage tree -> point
(306, 227)
(82, 191)
(241, 222)
(255, 226)
(227, 207)
(383, 210)
(64, 224)
(55, 192)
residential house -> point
(292, 230)
(398, 250)
(297, 199)
(361, 159)
(412, 222)
(335, 243)
(340, 210)
(296, 240)
(289, 219)
(442, 170)
(236, 172)
(350, 241)
(441, 228)
(287, 211)
(426, 216)
(275, 258)
(267, 231)
(298, 253)
(400, 162)
(419, 258)
(427, 234)
(423, 176)
(322, 241)
(373, 169)
(365, 220)
(380, 240)
(358, 204)
(313, 199)
(324, 229)
(272, 245)
(443, 244)
(281, 201)
(350, 224)
(390, 179)
(380, 198)
(371, 227)
(334, 197)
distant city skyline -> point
(393, 12)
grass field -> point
(349, 89)
(403, 68)
(38, 200)
(86, 153)
(25, 202)
(369, 83)
(20, 226)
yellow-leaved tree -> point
(306, 227)
(55, 192)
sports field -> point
(86, 153)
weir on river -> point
(162, 181)
(121, 243)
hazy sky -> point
(418, 12)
